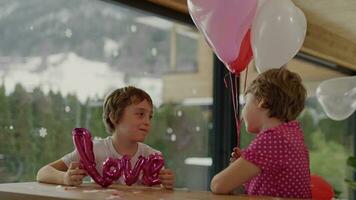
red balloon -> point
(321, 189)
(114, 168)
(244, 57)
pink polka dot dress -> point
(283, 158)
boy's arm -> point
(58, 173)
(236, 174)
(167, 178)
(53, 172)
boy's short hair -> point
(116, 102)
(282, 92)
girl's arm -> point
(57, 172)
(236, 174)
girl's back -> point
(283, 158)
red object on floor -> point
(321, 189)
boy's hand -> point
(74, 175)
(236, 153)
(167, 178)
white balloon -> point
(338, 97)
(278, 33)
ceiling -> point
(331, 33)
(337, 16)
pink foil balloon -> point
(132, 175)
(114, 168)
(152, 169)
(84, 145)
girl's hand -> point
(74, 175)
(236, 153)
(167, 178)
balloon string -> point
(238, 124)
(240, 121)
(245, 79)
(233, 97)
(236, 103)
(226, 85)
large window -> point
(329, 142)
(59, 58)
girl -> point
(276, 163)
(127, 114)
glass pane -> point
(329, 142)
(59, 58)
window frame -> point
(222, 137)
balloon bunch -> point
(272, 31)
(114, 168)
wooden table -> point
(34, 190)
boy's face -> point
(252, 114)
(135, 123)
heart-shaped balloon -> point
(278, 33)
(338, 97)
(224, 24)
(114, 168)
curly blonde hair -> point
(116, 102)
(281, 91)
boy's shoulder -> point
(102, 145)
(146, 150)
(100, 141)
